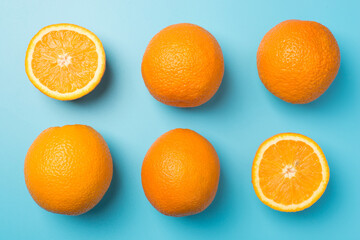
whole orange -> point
(298, 60)
(180, 173)
(183, 65)
(68, 169)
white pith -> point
(289, 171)
(64, 60)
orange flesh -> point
(290, 172)
(64, 61)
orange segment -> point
(65, 61)
(290, 172)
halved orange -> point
(290, 172)
(65, 61)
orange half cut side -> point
(290, 172)
(65, 61)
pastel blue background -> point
(240, 116)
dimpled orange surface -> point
(180, 173)
(290, 172)
(68, 169)
(183, 65)
(298, 60)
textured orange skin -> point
(183, 65)
(68, 169)
(180, 173)
(298, 60)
